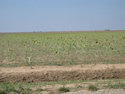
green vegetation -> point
(6, 88)
(62, 49)
(28, 88)
(116, 85)
(92, 88)
(63, 89)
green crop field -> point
(71, 48)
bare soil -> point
(57, 73)
(111, 91)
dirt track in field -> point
(57, 73)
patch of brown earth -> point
(57, 73)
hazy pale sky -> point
(61, 15)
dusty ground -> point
(113, 91)
(57, 73)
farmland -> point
(62, 48)
(62, 56)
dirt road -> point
(57, 73)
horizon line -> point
(107, 30)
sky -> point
(61, 15)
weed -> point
(79, 86)
(6, 88)
(53, 92)
(116, 86)
(2, 91)
(92, 88)
(63, 89)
